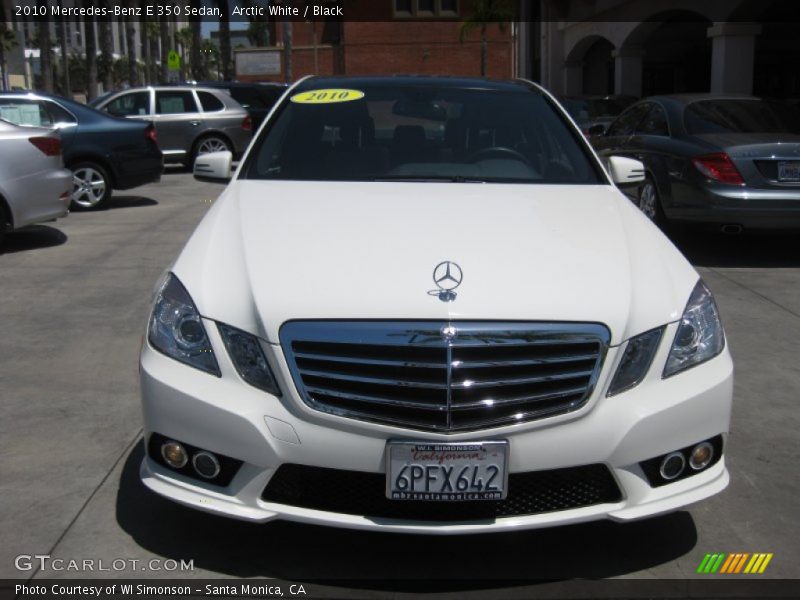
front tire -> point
(650, 203)
(91, 186)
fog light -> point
(701, 456)
(672, 465)
(174, 454)
(206, 464)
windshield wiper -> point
(426, 178)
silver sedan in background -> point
(189, 121)
(34, 185)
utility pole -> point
(287, 50)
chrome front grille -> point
(419, 375)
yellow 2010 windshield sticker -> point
(328, 96)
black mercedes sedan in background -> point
(730, 161)
(104, 153)
(589, 112)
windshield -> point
(390, 131)
(741, 116)
(595, 108)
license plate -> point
(789, 171)
(447, 472)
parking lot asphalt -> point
(76, 295)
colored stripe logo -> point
(735, 563)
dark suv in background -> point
(257, 98)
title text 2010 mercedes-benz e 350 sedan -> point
(421, 305)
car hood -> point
(270, 252)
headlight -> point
(248, 358)
(176, 328)
(636, 361)
(699, 337)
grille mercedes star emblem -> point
(449, 333)
(447, 276)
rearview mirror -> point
(625, 171)
(214, 167)
(420, 109)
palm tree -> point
(257, 30)
(163, 36)
(8, 41)
(483, 14)
(91, 58)
(210, 54)
(106, 50)
(145, 41)
(149, 32)
(225, 40)
(198, 72)
(184, 39)
(130, 44)
(67, 91)
(45, 46)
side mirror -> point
(625, 171)
(214, 167)
(596, 129)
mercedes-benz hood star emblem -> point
(447, 276)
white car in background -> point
(422, 305)
(34, 186)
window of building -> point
(425, 9)
(403, 7)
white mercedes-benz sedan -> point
(422, 305)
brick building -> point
(386, 37)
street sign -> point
(173, 61)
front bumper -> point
(226, 416)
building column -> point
(552, 52)
(628, 70)
(732, 57)
(573, 77)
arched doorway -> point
(590, 67)
(777, 52)
(674, 51)
(598, 69)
